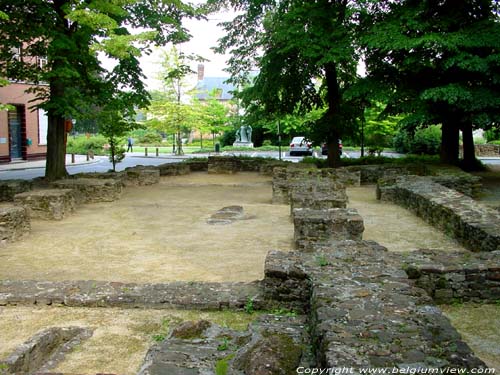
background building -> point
(23, 129)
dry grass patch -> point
(121, 337)
(157, 234)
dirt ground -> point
(157, 234)
(395, 227)
(120, 340)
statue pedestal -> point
(243, 144)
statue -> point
(244, 134)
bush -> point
(228, 138)
(492, 135)
(427, 141)
(401, 142)
(424, 141)
(81, 145)
(150, 138)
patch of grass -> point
(224, 345)
(249, 307)
(322, 261)
(222, 365)
(284, 312)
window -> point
(42, 62)
(16, 53)
(43, 124)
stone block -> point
(318, 227)
(197, 165)
(142, 176)
(48, 204)
(9, 188)
(223, 165)
(14, 223)
(174, 169)
(92, 190)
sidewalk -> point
(23, 164)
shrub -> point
(492, 135)
(150, 138)
(81, 145)
(228, 138)
(424, 141)
(427, 140)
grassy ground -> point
(479, 326)
(121, 337)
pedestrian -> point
(130, 144)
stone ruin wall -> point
(471, 223)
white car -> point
(300, 146)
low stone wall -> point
(197, 165)
(370, 174)
(223, 165)
(474, 225)
(14, 224)
(313, 227)
(267, 169)
(48, 204)
(456, 277)
(92, 190)
(119, 176)
(44, 350)
(174, 169)
(141, 176)
(182, 295)
(484, 150)
(9, 188)
(326, 185)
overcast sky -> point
(204, 36)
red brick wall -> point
(15, 94)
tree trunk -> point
(449, 142)
(469, 163)
(331, 118)
(55, 167)
(179, 144)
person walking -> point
(130, 144)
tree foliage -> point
(171, 110)
(309, 58)
(439, 63)
(70, 34)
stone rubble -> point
(48, 204)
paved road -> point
(100, 164)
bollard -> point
(72, 158)
(157, 152)
(145, 151)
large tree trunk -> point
(449, 142)
(55, 167)
(331, 118)
(469, 163)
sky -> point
(205, 34)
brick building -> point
(23, 129)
